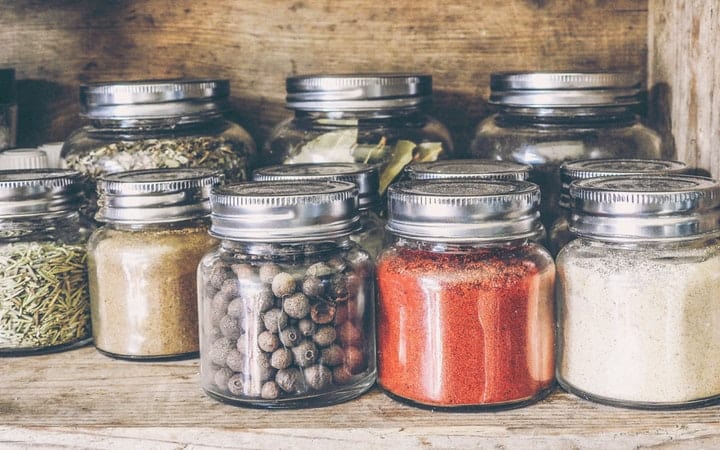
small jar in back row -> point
(44, 302)
(143, 261)
(638, 309)
(547, 118)
(370, 235)
(467, 169)
(287, 300)
(465, 310)
(368, 118)
(592, 168)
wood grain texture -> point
(57, 45)
(81, 399)
(684, 76)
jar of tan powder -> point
(142, 262)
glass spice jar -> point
(371, 233)
(592, 168)
(367, 118)
(137, 125)
(547, 118)
(44, 303)
(467, 169)
(465, 310)
(287, 300)
(142, 262)
(639, 317)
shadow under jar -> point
(287, 300)
(547, 118)
(465, 310)
(638, 310)
(366, 118)
(143, 261)
(44, 301)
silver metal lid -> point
(464, 210)
(468, 169)
(592, 168)
(156, 195)
(284, 211)
(153, 99)
(358, 92)
(365, 176)
(39, 193)
(565, 89)
(644, 207)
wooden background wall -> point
(55, 46)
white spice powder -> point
(640, 325)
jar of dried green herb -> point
(368, 118)
(139, 125)
(142, 262)
(44, 303)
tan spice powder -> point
(143, 290)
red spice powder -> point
(467, 328)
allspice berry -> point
(296, 305)
(322, 312)
(275, 320)
(236, 308)
(260, 300)
(319, 269)
(268, 271)
(220, 349)
(230, 287)
(349, 334)
(260, 368)
(341, 375)
(341, 314)
(220, 301)
(318, 376)
(281, 358)
(305, 353)
(229, 327)
(221, 377)
(268, 342)
(243, 271)
(290, 336)
(218, 274)
(313, 287)
(236, 384)
(283, 284)
(270, 390)
(337, 263)
(235, 361)
(324, 335)
(306, 327)
(289, 380)
(332, 356)
(354, 360)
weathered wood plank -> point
(684, 74)
(57, 46)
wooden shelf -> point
(83, 399)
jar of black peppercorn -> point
(286, 302)
(370, 118)
(370, 234)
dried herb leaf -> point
(334, 146)
(402, 155)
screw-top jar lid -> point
(565, 89)
(468, 169)
(153, 99)
(464, 210)
(23, 158)
(358, 92)
(365, 176)
(156, 195)
(284, 211)
(592, 168)
(44, 193)
(644, 207)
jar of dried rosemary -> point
(139, 125)
(142, 262)
(44, 303)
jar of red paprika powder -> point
(465, 317)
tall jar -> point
(142, 262)
(639, 317)
(465, 310)
(371, 232)
(547, 118)
(287, 299)
(44, 302)
(592, 168)
(367, 118)
(138, 125)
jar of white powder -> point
(638, 305)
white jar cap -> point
(23, 158)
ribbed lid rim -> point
(467, 169)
